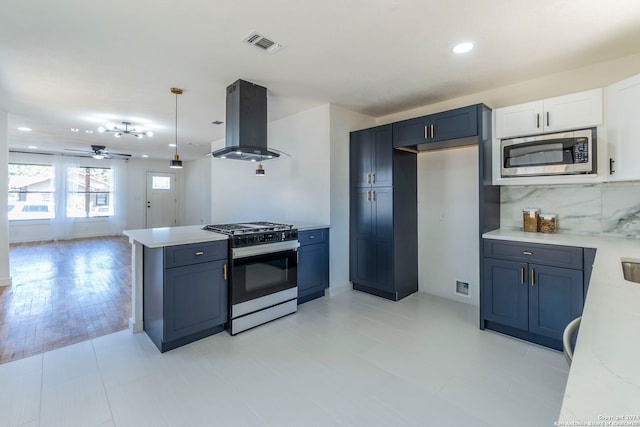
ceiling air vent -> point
(262, 42)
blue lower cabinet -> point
(185, 293)
(555, 298)
(506, 294)
(530, 300)
(313, 264)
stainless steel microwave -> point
(564, 153)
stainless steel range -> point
(263, 278)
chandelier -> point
(128, 130)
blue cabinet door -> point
(556, 297)
(371, 157)
(362, 238)
(411, 132)
(195, 298)
(383, 156)
(505, 296)
(361, 158)
(453, 124)
(382, 221)
(313, 269)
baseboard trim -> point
(6, 281)
(134, 326)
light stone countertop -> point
(604, 379)
(306, 227)
(172, 236)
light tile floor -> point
(349, 360)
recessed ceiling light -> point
(463, 47)
(172, 145)
(74, 130)
(88, 131)
(145, 155)
(24, 129)
(32, 147)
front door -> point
(161, 199)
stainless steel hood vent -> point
(246, 121)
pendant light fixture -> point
(260, 170)
(176, 163)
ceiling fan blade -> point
(79, 151)
(117, 154)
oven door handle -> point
(267, 248)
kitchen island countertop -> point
(172, 236)
(604, 379)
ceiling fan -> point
(99, 152)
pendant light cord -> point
(176, 124)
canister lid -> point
(531, 210)
(548, 216)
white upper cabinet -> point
(623, 130)
(578, 110)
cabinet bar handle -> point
(538, 120)
(368, 196)
(224, 271)
(297, 257)
(522, 275)
(533, 277)
(368, 178)
(199, 253)
(373, 196)
(426, 132)
(373, 178)
(433, 131)
(547, 118)
(527, 253)
(312, 237)
(611, 162)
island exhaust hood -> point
(246, 126)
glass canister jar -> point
(548, 223)
(530, 219)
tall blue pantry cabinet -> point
(383, 215)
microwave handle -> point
(538, 121)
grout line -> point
(104, 387)
(41, 388)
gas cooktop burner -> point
(247, 228)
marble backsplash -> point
(609, 209)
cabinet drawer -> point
(310, 237)
(553, 255)
(194, 253)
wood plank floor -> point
(63, 293)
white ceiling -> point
(81, 64)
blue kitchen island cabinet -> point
(532, 291)
(185, 292)
(313, 264)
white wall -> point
(448, 248)
(196, 202)
(5, 273)
(294, 189)
(342, 122)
